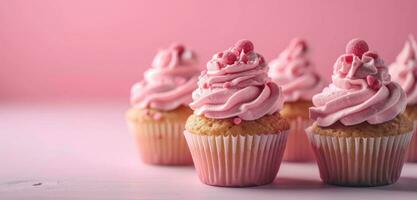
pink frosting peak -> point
(361, 91)
(170, 81)
(236, 84)
(293, 71)
(404, 70)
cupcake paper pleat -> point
(359, 161)
(298, 147)
(412, 150)
(161, 143)
(237, 161)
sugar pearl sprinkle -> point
(157, 116)
(237, 53)
(373, 82)
(357, 47)
(178, 47)
(153, 115)
(237, 120)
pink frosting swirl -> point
(361, 90)
(293, 71)
(404, 70)
(170, 81)
(236, 84)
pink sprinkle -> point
(245, 45)
(236, 51)
(299, 42)
(298, 71)
(229, 58)
(349, 58)
(157, 116)
(220, 54)
(371, 54)
(373, 82)
(220, 65)
(227, 85)
(357, 47)
(237, 120)
(147, 112)
(179, 47)
(245, 59)
(261, 59)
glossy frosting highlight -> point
(294, 72)
(404, 70)
(361, 90)
(236, 84)
(170, 81)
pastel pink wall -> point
(97, 49)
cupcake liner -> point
(161, 143)
(412, 149)
(298, 147)
(237, 161)
(359, 161)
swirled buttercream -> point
(361, 90)
(404, 70)
(236, 84)
(294, 72)
(170, 81)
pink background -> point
(59, 49)
(52, 50)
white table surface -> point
(83, 151)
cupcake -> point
(404, 72)
(236, 135)
(360, 134)
(294, 72)
(160, 107)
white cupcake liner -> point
(412, 149)
(237, 161)
(298, 147)
(161, 143)
(359, 161)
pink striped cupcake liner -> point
(298, 147)
(359, 161)
(237, 161)
(162, 143)
(412, 150)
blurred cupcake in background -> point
(295, 73)
(404, 72)
(360, 135)
(160, 107)
(236, 135)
